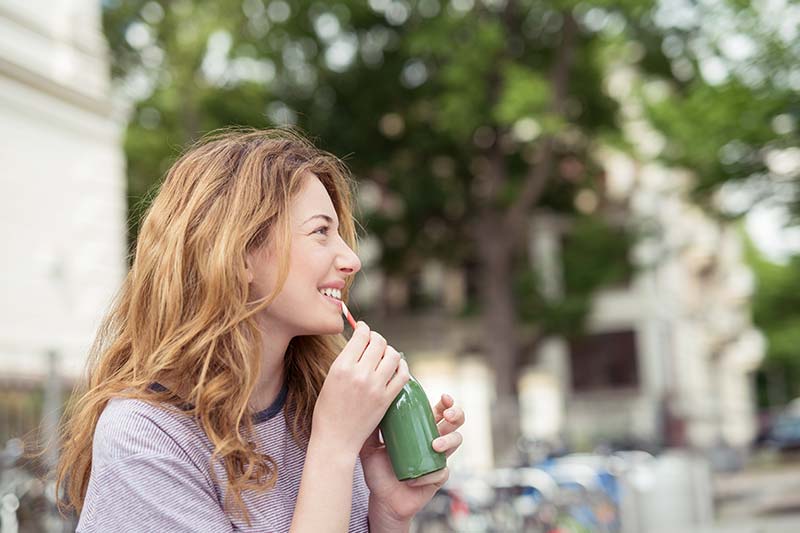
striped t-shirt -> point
(150, 472)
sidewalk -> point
(777, 524)
(758, 500)
(770, 491)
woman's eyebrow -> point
(326, 217)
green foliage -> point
(776, 306)
(718, 130)
(407, 111)
(525, 93)
(725, 90)
(595, 256)
(776, 312)
(463, 51)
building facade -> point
(669, 359)
(63, 231)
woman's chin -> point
(337, 329)
(329, 328)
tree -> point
(463, 116)
(726, 100)
(723, 90)
(776, 313)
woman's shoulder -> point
(132, 426)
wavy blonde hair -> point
(184, 315)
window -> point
(604, 361)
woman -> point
(222, 396)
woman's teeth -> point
(333, 293)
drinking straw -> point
(348, 316)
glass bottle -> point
(408, 429)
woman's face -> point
(319, 258)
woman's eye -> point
(322, 230)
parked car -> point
(784, 433)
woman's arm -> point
(360, 385)
(326, 490)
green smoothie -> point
(408, 429)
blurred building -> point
(63, 231)
(669, 358)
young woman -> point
(221, 394)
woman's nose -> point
(348, 261)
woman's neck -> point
(270, 381)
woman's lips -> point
(336, 302)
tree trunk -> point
(498, 234)
(495, 250)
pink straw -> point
(348, 316)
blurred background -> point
(579, 218)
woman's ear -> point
(248, 260)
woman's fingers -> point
(356, 345)
(373, 352)
(448, 417)
(437, 478)
(439, 409)
(448, 443)
(398, 381)
(453, 419)
(388, 364)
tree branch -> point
(537, 177)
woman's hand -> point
(361, 384)
(392, 501)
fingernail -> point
(449, 412)
(437, 443)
